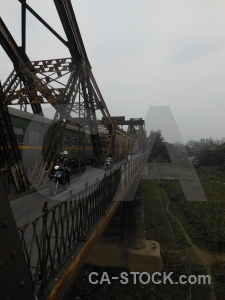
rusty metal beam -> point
(19, 59)
(78, 52)
(23, 17)
(10, 156)
(122, 121)
(9, 45)
(66, 21)
(26, 6)
(15, 280)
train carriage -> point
(30, 130)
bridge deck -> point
(60, 237)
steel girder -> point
(26, 86)
(34, 83)
(93, 99)
(23, 69)
(11, 167)
(15, 278)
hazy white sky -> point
(143, 53)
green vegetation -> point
(191, 233)
(82, 289)
(204, 221)
(160, 226)
(212, 156)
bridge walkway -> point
(57, 239)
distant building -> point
(205, 141)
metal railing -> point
(50, 238)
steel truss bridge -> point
(68, 85)
(55, 242)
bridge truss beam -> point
(43, 82)
(35, 82)
(11, 168)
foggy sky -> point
(143, 53)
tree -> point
(212, 157)
(157, 146)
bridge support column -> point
(134, 222)
(124, 244)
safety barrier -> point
(50, 238)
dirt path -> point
(206, 259)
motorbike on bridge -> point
(58, 177)
(109, 163)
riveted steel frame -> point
(15, 278)
(11, 168)
(26, 86)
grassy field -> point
(204, 222)
(176, 253)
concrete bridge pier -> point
(124, 243)
(134, 223)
